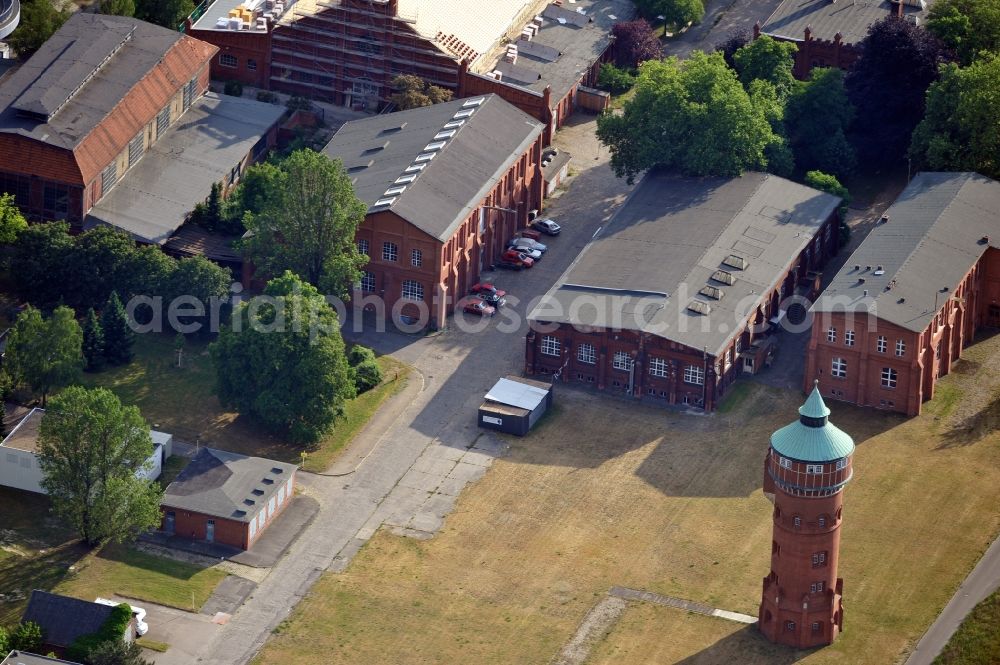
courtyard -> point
(609, 493)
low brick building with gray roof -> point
(911, 296)
(227, 498)
(683, 279)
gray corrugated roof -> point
(577, 45)
(377, 150)
(226, 484)
(62, 618)
(152, 199)
(25, 658)
(517, 392)
(851, 18)
(63, 64)
(931, 241)
(666, 242)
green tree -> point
(364, 368)
(118, 7)
(147, 272)
(960, 131)
(12, 222)
(308, 222)
(968, 27)
(614, 80)
(93, 342)
(260, 183)
(38, 263)
(767, 59)
(26, 636)
(39, 21)
(168, 13)
(90, 448)
(827, 183)
(101, 262)
(413, 92)
(4, 640)
(282, 361)
(690, 115)
(817, 118)
(116, 652)
(677, 13)
(206, 282)
(118, 334)
(43, 353)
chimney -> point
(899, 8)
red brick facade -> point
(243, 56)
(647, 366)
(446, 270)
(801, 599)
(815, 52)
(892, 368)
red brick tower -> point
(807, 466)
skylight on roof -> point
(406, 179)
(711, 292)
(474, 102)
(393, 191)
(436, 145)
(464, 113)
(724, 277)
(454, 123)
(734, 261)
(699, 307)
(425, 157)
(387, 201)
(413, 168)
(446, 134)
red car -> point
(486, 287)
(514, 256)
(530, 233)
(478, 306)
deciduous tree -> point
(960, 130)
(12, 222)
(767, 59)
(308, 222)
(168, 13)
(677, 13)
(691, 115)
(26, 636)
(635, 43)
(39, 21)
(968, 27)
(817, 117)
(736, 39)
(117, 652)
(90, 449)
(44, 353)
(118, 7)
(282, 361)
(413, 92)
(39, 263)
(887, 86)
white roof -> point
(515, 393)
(475, 24)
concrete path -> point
(981, 582)
(681, 604)
(432, 447)
(598, 623)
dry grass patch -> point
(605, 493)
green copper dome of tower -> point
(812, 438)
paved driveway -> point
(434, 441)
(721, 18)
(187, 633)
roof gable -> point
(62, 618)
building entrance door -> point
(169, 522)
(210, 531)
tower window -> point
(797, 521)
(819, 559)
(821, 520)
(785, 463)
(814, 468)
(815, 626)
(849, 338)
(817, 587)
(790, 626)
(838, 368)
(881, 344)
(831, 335)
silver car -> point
(525, 244)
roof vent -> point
(861, 280)
(884, 220)
(699, 307)
(360, 166)
(857, 266)
(474, 102)
(734, 261)
(397, 128)
(866, 293)
(724, 277)
(985, 240)
(377, 148)
(711, 292)
(257, 492)
(879, 271)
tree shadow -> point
(746, 647)
(20, 575)
(974, 428)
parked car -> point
(525, 244)
(491, 294)
(547, 226)
(530, 233)
(516, 256)
(141, 627)
(478, 306)
(503, 264)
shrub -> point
(614, 79)
(267, 96)
(233, 89)
(367, 375)
(359, 354)
(112, 629)
(27, 636)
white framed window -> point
(228, 60)
(819, 558)
(390, 252)
(586, 353)
(622, 360)
(831, 335)
(849, 338)
(412, 290)
(694, 375)
(797, 521)
(821, 520)
(416, 258)
(817, 587)
(363, 246)
(814, 468)
(838, 368)
(367, 281)
(658, 367)
(551, 346)
(889, 376)
(785, 463)
(900, 347)
(729, 358)
(841, 463)
(881, 344)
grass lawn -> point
(977, 640)
(604, 494)
(181, 401)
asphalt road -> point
(721, 18)
(436, 429)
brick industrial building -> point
(828, 33)
(227, 498)
(912, 296)
(94, 117)
(806, 469)
(675, 297)
(447, 186)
